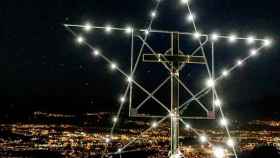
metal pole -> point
(174, 129)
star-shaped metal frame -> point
(211, 82)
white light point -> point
(217, 102)
(251, 39)
(122, 99)
(129, 79)
(196, 35)
(113, 66)
(253, 52)
(187, 126)
(87, 27)
(224, 122)
(115, 119)
(184, 1)
(214, 37)
(146, 32)
(128, 30)
(230, 142)
(225, 73)
(154, 125)
(107, 140)
(239, 62)
(190, 18)
(153, 14)
(108, 29)
(232, 38)
(210, 82)
(96, 52)
(203, 139)
(267, 42)
(218, 152)
(119, 150)
(80, 39)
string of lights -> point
(211, 82)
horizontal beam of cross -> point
(161, 58)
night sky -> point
(43, 69)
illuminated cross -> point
(174, 60)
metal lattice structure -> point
(174, 60)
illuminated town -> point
(86, 141)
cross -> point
(175, 59)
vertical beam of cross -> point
(174, 94)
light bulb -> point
(250, 39)
(154, 124)
(210, 82)
(184, 1)
(214, 37)
(253, 52)
(232, 38)
(128, 30)
(153, 14)
(224, 122)
(80, 39)
(115, 119)
(218, 152)
(129, 79)
(122, 99)
(87, 27)
(203, 139)
(190, 18)
(197, 35)
(217, 102)
(108, 28)
(230, 142)
(225, 73)
(113, 66)
(239, 62)
(267, 42)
